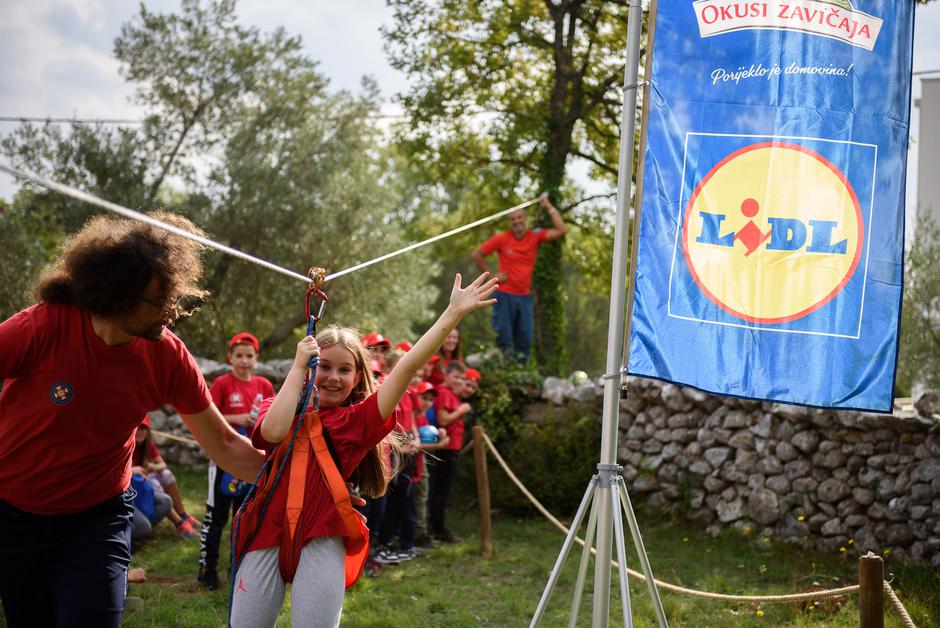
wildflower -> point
(800, 518)
(851, 541)
(759, 613)
(766, 539)
(685, 539)
(842, 549)
(887, 552)
(746, 529)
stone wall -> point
(834, 479)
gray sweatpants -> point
(316, 598)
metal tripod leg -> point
(621, 550)
(582, 570)
(565, 549)
(641, 553)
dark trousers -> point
(65, 570)
(374, 512)
(442, 476)
(217, 513)
(400, 513)
(514, 324)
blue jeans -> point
(514, 324)
(65, 570)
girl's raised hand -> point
(474, 296)
(306, 349)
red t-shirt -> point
(235, 396)
(447, 400)
(516, 258)
(71, 403)
(437, 375)
(353, 430)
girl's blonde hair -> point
(372, 474)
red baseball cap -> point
(244, 338)
(373, 339)
(472, 374)
(426, 387)
(404, 345)
(146, 421)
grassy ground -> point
(454, 586)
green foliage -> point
(505, 392)
(530, 85)
(919, 360)
(554, 455)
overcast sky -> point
(58, 53)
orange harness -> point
(310, 436)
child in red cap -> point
(238, 395)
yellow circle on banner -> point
(773, 232)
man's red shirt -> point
(71, 404)
(516, 258)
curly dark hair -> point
(106, 267)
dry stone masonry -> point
(830, 479)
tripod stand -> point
(607, 491)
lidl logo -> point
(770, 233)
(836, 19)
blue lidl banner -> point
(772, 226)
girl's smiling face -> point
(336, 375)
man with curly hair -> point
(80, 370)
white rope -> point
(416, 245)
(75, 193)
(130, 213)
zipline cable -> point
(75, 193)
(416, 245)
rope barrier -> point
(905, 617)
(793, 597)
(181, 439)
(91, 199)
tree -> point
(546, 74)
(251, 145)
(919, 360)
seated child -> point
(148, 463)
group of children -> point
(410, 518)
(390, 424)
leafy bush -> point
(554, 457)
(504, 393)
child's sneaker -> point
(413, 552)
(196, 523)
(386, 556)
(184, 529)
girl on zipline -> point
(308, 533)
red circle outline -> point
(829, 297)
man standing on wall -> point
(513, 316)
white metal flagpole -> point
(611, 412)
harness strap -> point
(311, 437)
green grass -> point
(455, 586)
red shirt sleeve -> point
(154, 452)
(542, 235)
